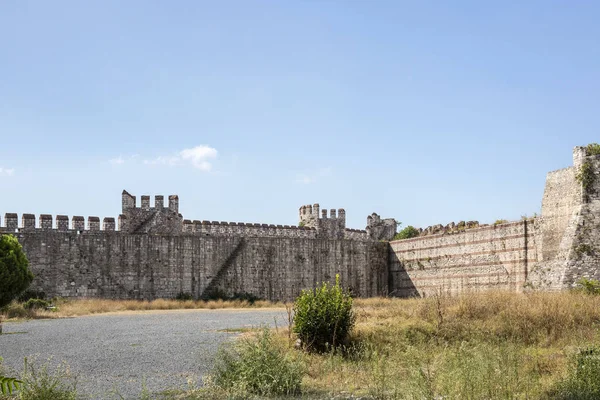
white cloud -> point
(7, 171)
(199, 157)
(307, 179)
(117, 161)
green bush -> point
(583, 382)
(407, 233)
(219, 294)
(182, 296)
(15, 275)
(586, 176)
(323, 317)
(592, 149)
(258, 366)
(31, 294)
(588, 286)
(36, 304)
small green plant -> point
(592, 149)
(586, 176)
(500, 221)
(588, 286)
(323, 317)
(407, 233)
(219, 294)
(31, 294)
(40, 383)
(36, 304)
(301, 224)
(583, 381)
(582, 249)
(258, 365)
(184, 296)
(9, 385)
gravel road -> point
(160, 349)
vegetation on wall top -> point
(592, 149)
(407, 233)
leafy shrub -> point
(323, 317)
(31, 294)
(500, 221)
(407, 233)
(258, 366)
(43, 384)
(15, 275)
(219, 294)
(36, 304)
(588, 286)
(583, 382)
(586, 176)
(184, 296)
(592, 149)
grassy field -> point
(493, 345)
(77, 307)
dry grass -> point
(78, 307)
(482, 345)
(539, 318)
(492, 345)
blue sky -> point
(428, 112)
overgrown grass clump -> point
(260, 365)
(42, 381)
(583, 381)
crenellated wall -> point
(47, 222)
(153, 252)
(123, 265)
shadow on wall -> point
(399, 282)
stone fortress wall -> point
(552, 251)
(152, 251)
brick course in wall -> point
(482, 258)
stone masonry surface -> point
(155, 253)
(152, 251)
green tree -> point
(15, 275)
(407, 233)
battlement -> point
(148, 219)
(128, 203)
(333, 226)
(310, 213)
(46, 223)
(381, 229)
(216, 228)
